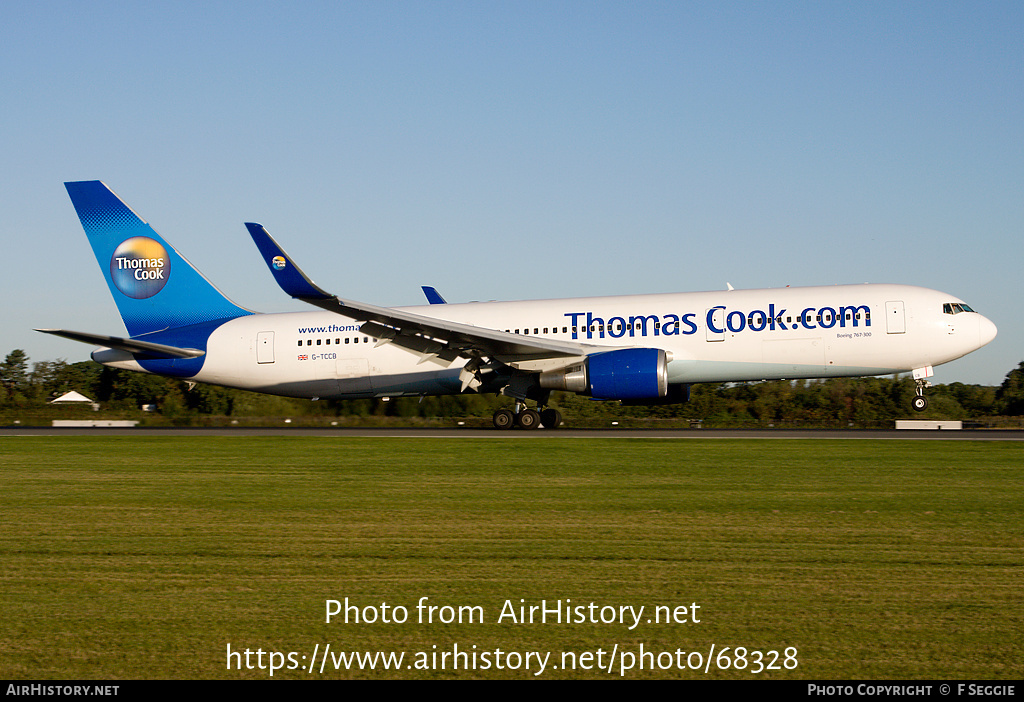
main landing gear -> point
(526, 418)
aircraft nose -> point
(986, 330)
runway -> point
(468, 433)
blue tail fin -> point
(153, 286)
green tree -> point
(1010, 396)
(14, 371)
(49, 378)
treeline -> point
(838, 402)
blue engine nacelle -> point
(624, 374)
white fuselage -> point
(719, 336)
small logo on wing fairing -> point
(279, 263)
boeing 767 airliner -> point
(638, 349)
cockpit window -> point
(955, 308)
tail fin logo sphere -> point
(140, 267)
(279, 263)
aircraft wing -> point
(429, 336)
(133, 346)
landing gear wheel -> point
(551, 418)
(528, 419)
(503, 419)
(920, 403)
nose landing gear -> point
(921, 375)
(920, 402)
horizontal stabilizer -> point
(132, 346)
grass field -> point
(148, 557)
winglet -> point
(289, 276)
(433, 297)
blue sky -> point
(521, 150)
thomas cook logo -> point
(140, 267)
(278, 263)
